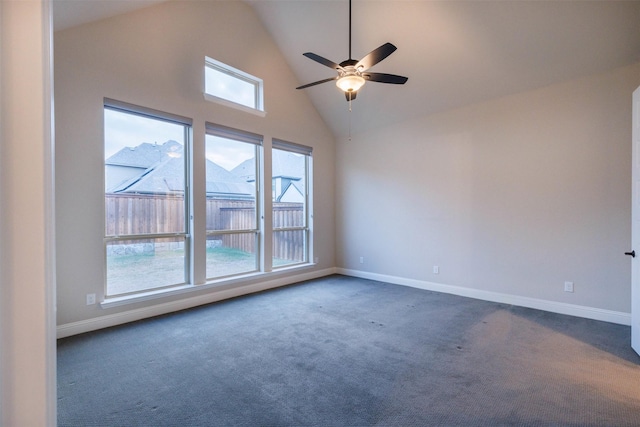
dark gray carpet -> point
(341, 351)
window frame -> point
(235, 73)
(264, 232)
(226, 132)
(185, 235)
(307, 227)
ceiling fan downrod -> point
(350, 29)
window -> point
(147, 171)
(232, 171)
(225, 83)
(290, 178)
(146, 199)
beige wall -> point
(514, 196)
(155, 58)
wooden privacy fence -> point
(290, 244)
(134, 214)
(127, 214)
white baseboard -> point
(115, 319)
(539, 304)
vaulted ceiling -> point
(455, 53)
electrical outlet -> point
(361, 260)
(568, 286)
(316, 260)
(91, 299)
(436, 269)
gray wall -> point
(155, 58)
(514, 196)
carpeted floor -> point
(342, 351)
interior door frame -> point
(635, 222)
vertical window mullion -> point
(187, 203)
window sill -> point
(145, 296)
(189, 288)
(240, 107)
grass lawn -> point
(139, 272)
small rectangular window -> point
(223, 82)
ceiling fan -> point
(352, 74)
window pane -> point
(289, 247)
(230, 87)
(144, 264)
(231, 206)
(144, 169)
(229, 254)
(231, 184)
(288, 182)
(288, 215)
(289, 195)
(144, 175)
(128, 214)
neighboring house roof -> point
(221, 182)
(246, 170)
(294, 193)
(156, 171)
(284, 165)
(143, 155)
(287, 165)
(165, 175)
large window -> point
(290, 176)
(147, 194)
(232, 159)
(146, 206)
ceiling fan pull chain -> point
(349, 119)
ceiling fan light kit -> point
(350, 82)
(352, 73)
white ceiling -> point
(455, 53)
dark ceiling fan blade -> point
(375, 56)
(385, 78)
(323, 61)
(317, 83)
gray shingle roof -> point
(143, 155)
(164, 174)
(283, 164)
